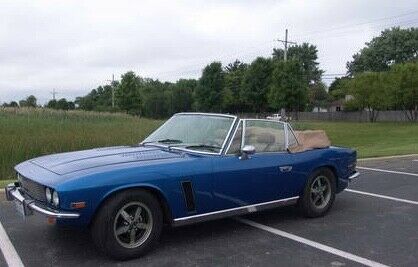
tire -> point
(128, 224)
(312, 204)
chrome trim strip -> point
(234, 211)
(208, 114)
(353, 176)
(244, 129)
(286, 137)
(293, 132)
(228, 135)
(232, 137)
(13, 193)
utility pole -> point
(113, 89)
(285, 42)
(54, 93)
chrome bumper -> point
(29, 205)
(353, 176)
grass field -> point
(370, 139)
(27, 133)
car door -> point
(261, 177)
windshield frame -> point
(227, 137)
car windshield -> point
(193, 131)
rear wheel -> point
(319, 193)
(128, 224)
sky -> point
(73, 46)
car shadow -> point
(178, 244)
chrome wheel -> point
(320, 192)
(132, 225)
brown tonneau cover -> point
(310, 139)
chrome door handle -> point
(285, 168)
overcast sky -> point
(74, 46)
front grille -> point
(31, 188)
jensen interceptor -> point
(195, 167)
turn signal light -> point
(78, 205)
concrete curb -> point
(388, 157)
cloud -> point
(73, 46)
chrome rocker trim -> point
(234, 211)
(13, 194)
(353, 176)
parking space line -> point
(311, 243)
(8, 250)
(382, 196)
(388, 171)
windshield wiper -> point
(164, 141)
(208, 147)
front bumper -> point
(29, 206)
(353, 176)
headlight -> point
(48, 195)
(55, 199)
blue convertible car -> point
(195, 167)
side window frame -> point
(285, 133)
(287, 129)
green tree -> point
(336, 89)
(128, 94)
(403, 86)
(393, 46)
(307, 55)
(30, 101)
(289, 88)
(368, 93)
(234, 76)
(209, 89)
(318, 96)
(255, 85)
(182, 95)
(156, 99)
(12, 104)
(62, 104)
(52, 104)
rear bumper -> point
(29, 206)
(353, 176)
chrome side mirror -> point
(246, 151)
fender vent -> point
(188, 195)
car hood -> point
(65, 163)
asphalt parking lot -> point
(374, 223)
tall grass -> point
(27, 133)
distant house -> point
(336, 105)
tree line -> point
(381, 76)
(265, 85)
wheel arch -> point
(332, 168)
(155, 191)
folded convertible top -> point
(310, 139)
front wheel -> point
(128, 224)
(318, 194)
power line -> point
(198, 67)
(358, 24)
